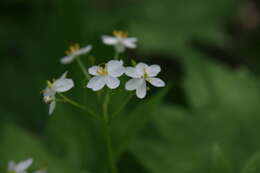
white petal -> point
(153, 70)
(132, 72)
(22, 166)
(115, 68)
(109, 40)
(67, 59)
(141, 90)
(11, 166)
(129, 42)
(97, 83)
(83, 50)
(63, 85)
(112, 82)
(49, 92)
(63, 76)
(52, 107)
(93, 70)
(132, 84)
(140, 68)
(156, 82)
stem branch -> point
(78, 105)
(82, 67)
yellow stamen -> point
(120, 34)
(145, 73)
(102, 70)
(73, 48)
(49, 84)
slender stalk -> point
(116, 56)
(110, 154)
(122, 106)
(82, 67)
(107, 136)
(105, 107)
(78, 105)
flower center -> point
(73, 48)
(145, 73)
(102, 70)
(48, 99)
(120, 34)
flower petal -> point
(109, 40)
(156, 82)
(141, 90)
(153, 70)
(132, 84)
(83, 50)
(62, 85)
(52, 107)
(93, 70)
(67, 59)
(23, 165)
(63, 76)
(115, 68)
(97, 83)
(112, 82)
(129, 42)
(49, 92)
(140, 68)
(11, 166)
(132, 72)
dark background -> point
(206, 119)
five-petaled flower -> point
(20, 167)
(140, 74)
(120, 41)
(73, 52)
(60, 85)
(106, 74)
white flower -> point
(120, 41)
(73, 52)
(106, 75)
(19, 167)
(60, 85)
(141, 74)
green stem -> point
(105, 107)
(82, 67)
(107, 136)
(111, 160)
(122, 105)
(116, 56)
(78, 105)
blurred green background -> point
(206, 121)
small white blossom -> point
(106, 75)
(141, 74)
(20, 167)
(120, 41)
(73, 52)
(62, 84)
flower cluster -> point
(22, 167)
(106, 74)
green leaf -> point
(253, 164)
(127, 126)
(171, 25)
(219, 162)
(17, 144)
